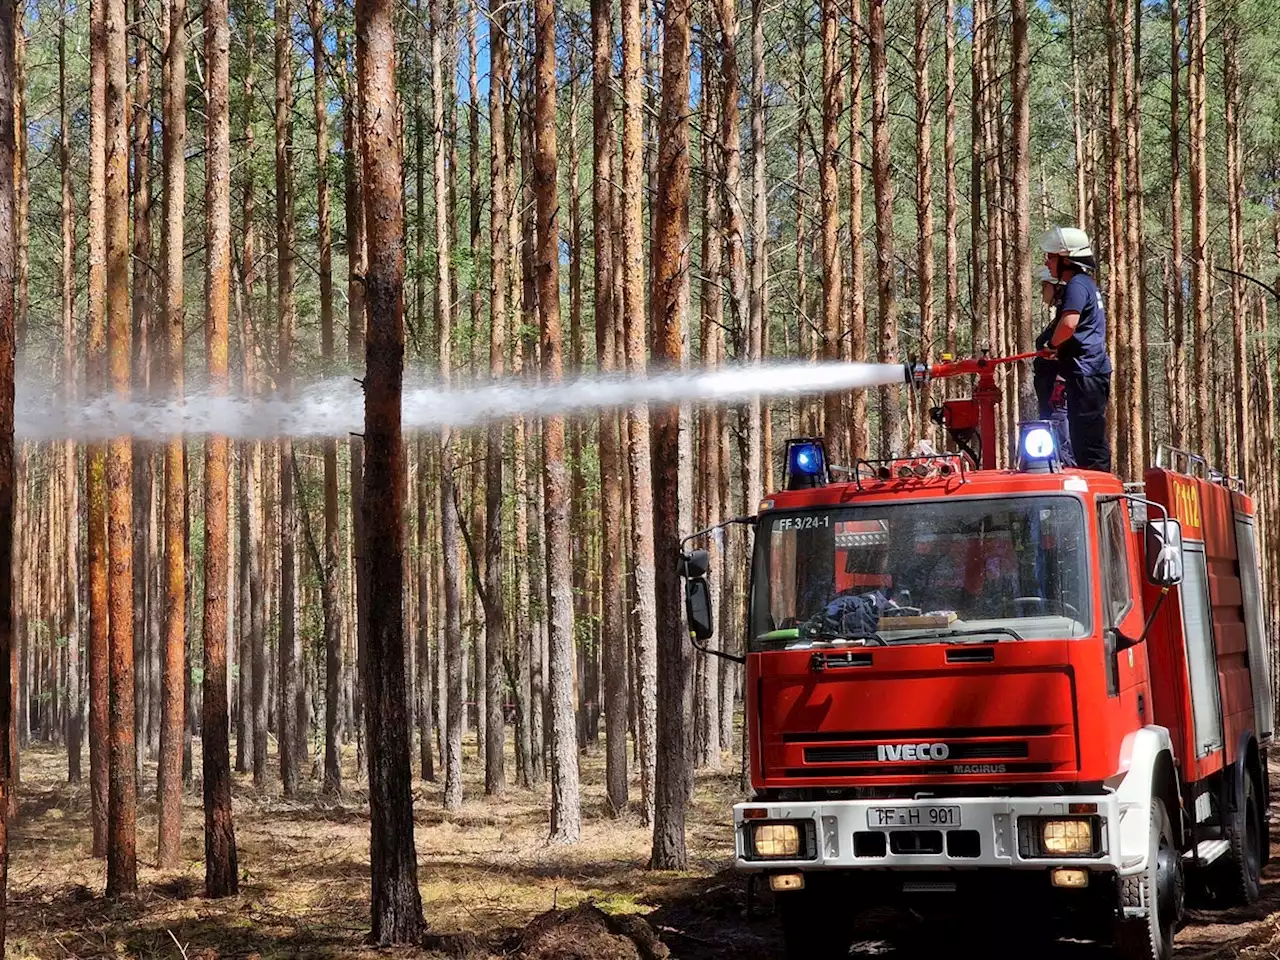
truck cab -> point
(1030, 681)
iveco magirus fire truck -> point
(974, 687)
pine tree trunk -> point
(122, 864)
(829, 177)
(222, 879)
(70, 490)
(396, 903)
(95, 469)
(329, 593)
(1021, 266)
(565, 814)
(1118, 319)
(759, 256)
(1235, 235)
(881, 174)
(633, 310)
(859, 443)
(1135, 361)
(287, 733)
(667, 308)
(951, 226)
(175, 561)
(978, 291)
(499, 234)
(8, 345)
(1201, 415)
(1175, 388)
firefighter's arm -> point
(1066, 328)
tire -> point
(1151, 937)
(1241, 880)
(815, 924)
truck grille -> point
(985, 750)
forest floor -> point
(491, 884)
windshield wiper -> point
(976, 632)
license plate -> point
(913, 817)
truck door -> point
(1202, 658)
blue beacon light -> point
(1038, 448)
(806, 464)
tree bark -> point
(565, 814)
(951, 228)
(454, 704)
(8, 347)
(882, 177)
(669, 302)
(759, 257)
(287, 732)
(829, 173)
(70, 493)
(1135, 360)
(859, 423)
(633, 311)
(122, 864)
(222, 879)
(396, 904)
(175, 560)
(924, 202)
(1201, 414)
(1235, 237)
(1176, 386)
(1021, 266)
(499, 234)
(329, 593)
(95, 470)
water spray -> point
(335, 407)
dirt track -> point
(491, 886)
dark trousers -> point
(1044, 377)
(1087, 398)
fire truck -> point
(969, 687)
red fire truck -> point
(967, 685)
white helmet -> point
(1044, 276)
(1067, 242)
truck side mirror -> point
(1164, 552)
(694, 564)
(697, 606)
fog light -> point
(776, 840)
(786, 881)
(1070, 879)
(1067, 838)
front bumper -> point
(990, 828)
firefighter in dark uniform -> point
(1051, 389)
(1080, 339)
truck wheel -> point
(1161, 887)
(1242, 877)
(815, 925)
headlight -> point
(779, 840)
(1067, 838)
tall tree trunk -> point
(95, 469)
(978, 292)
(329, 592)
(759, 256)
(633, 311)
(1201, 415)
(1135, 361)
(924, 201)
(1118, 316)
(175, 560)
(951, 228)
(882, 177)
(667, 308)
(141, 271)
(829, 179)
(859, 428)
(122, 862)
(70, 621)
(356, 320)
(1235, 235)
(565, 814)
(454, 700)
(1176, 386)
(1021, 266)
(396, 902)
(287, 733)
(221, 877)
(8, 345)
(499, 235)
(612, 627)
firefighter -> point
(1079, 337)
(1049, 386)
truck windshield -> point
(932, 572)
